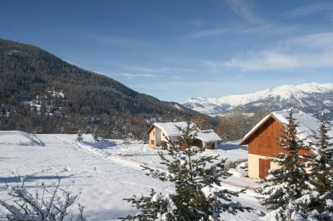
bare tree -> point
(40, 207)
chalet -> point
(262, 139)
(159, 132)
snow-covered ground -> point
(104, 173)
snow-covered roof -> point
(208, 136)
(308, 125)
(171, 129)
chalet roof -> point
(171, 129)
(208, 136)
(308, 125)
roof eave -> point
(150, 129)
(244, 141)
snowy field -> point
(104, 173)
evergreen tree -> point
(195, 178)
(290, 181)
(319, 202)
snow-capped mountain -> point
(310, 98)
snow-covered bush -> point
(196, 179)
(46, 204)
(79, 137)
(95, 135)
(242, 168)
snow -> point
(282, 92)
(170, 129)
(216, 106)
(308, 125)
(315, 87)
(208, 136)
(104, 172)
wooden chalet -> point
(262, 139)
(160, 133)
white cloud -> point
(266, 29)
(144, 69)
(266, 60)
(176, 77)
(310, 9)
(319, 41)
(304, 52)
(198, 23)
(131, 76)
(243, 10)
(209, 32)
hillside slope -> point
(41, 93)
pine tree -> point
(319, 202)
(195, 178)
(290, 181)
(322, 164)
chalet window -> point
(152, 142)
(153, 132)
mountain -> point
(311, 98)
(41, 93)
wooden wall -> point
(264, 140)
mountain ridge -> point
(309, 97)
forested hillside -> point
(40, 93)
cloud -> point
(176, 77)
(198, 23)
(304, 52)
(243, 10)
(310, 9)
(144, 69)
(209, 32)
(189, 88)
(267, 29)
(131, 76)
(263, 60)
(266, 60)
(319, 41)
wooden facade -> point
(264, 140)
(262, 144)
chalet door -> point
(264, 166)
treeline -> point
(236, 124)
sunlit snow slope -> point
(104, 172)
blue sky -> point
(177, 49)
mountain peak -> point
(309, 97)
